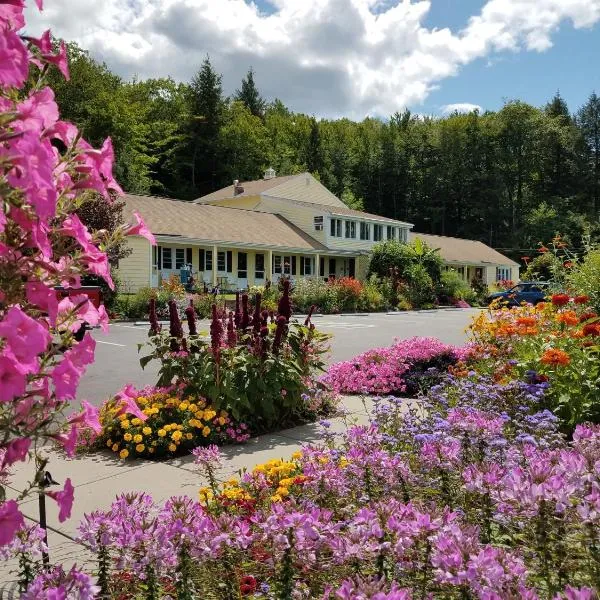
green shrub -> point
(203, 304)
(371, 298)
(452, 286)
(403, 303)
(585, 278)
(307, 292)
(135, 306)
(421, 291)
(544, 267)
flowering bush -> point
(557, 341)
(173, 423)
(259, 367)
(406, 367)
(46, 167)
(479, 496)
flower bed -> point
(407, 367)
(155, 422)
(478, 497)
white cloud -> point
(328, 57)
(461, 107)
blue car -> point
(531, 292)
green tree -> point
(588, 119)
(249, 95)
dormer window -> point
(351, 230)
(365, 231)
(335, 229)
(318, 221)
(391, 232)
(377, 233)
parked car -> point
(531, 292)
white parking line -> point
(110, 343)
(126, 326)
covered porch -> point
(237, 268)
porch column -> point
(317, 265)
(214, 266)
(269, 266)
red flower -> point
(568, 264)
(560, 299)
(543, 249)
(581, 299)
(525, 259)
(587, 316)
(591, 329)
(248, 585)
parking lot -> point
(117, 358)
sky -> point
(350, 58)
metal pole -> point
(42, 505)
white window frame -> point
(365, 231)
(208, 260)
(503, 274)
(179, 258)
(306, 265)
(391, 232)
(318, 222)
(259, 273)
(166, 250)
(350, 230)
(221, 254)
(377, 232)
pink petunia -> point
(43, 297)
(38, 112)
(127, 396)
(11, 520)
(2, 219)
(68, 440)
(26, 337)
(141, 229)
(65, 378)
(16, 451)
(14, 64)
(96, 167)
(73, 227)
(89, 417)
(64, 499)
(11, 14)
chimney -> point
(269, 173)
(237, 188)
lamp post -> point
(45, 482)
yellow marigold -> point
(125, 424)
(188, 436)
(224, 413)
(137, 438)
(205, 494)
(122, 416)
(156, 406)
(183, 406)
(276, 498)
(195, 423)
(172, 447)
(180, 427)
(142, 400)
(209, 415)
(344, 462)
(176, 436)
(259, 469)
(222, 420)
(127, 437)
(282, 491)
(297, 455)
(148, 412)
(136, 421)
(201, 403)
(206, 431)
(161, 433)
(124, 453)
(147, 430)
(286, 482)
(115, 447)
(140, 448)
(193, 407)
(109, 443)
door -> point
(332, 267)
(352, 267)
(242, 270)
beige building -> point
(248, 233)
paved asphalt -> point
(117, 358)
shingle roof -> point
(359, 213)
(164, 216)
(251, 188)
(459, 250)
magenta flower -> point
(128, 396)
(43, 297)
(26, 337)
(208, 456)
(284, 307)
(141, 229)
(68, 441)
(190, 314)
(89, 417)
(13, 377)
(11, 520)
(64, 499)
(14, 66)
(65, 378)
(15, 451)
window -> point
(335, 228)
(365, 231)
(306, 265)
(391, 232)
(259, 266)
(208, 260)
(351, 229)
(318, 223)
(478, 273)
(403, 235)
(154, 256)
(502, 274)
(179, 257)
(242, 265)
(221, 262)
(277, 264)
(461, 271)
(167, 258)
(377, 232)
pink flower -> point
(128, 396)
(13, 377)
(11, 14)
(2, 219)
(82, 353)
(16, 451)
(89, 417)
(38, 112)
(24, 336)
(65, 378)
(96, 167)
(64, 131)
(59, 59)
(14, 65)
(64, 499)
(11, 520)
(68, 441)
(141, 229)
(72, 226)
(97, 263)
(43, 297)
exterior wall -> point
(245, 202)
(134, 271)
(300, 215)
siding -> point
(134, 271)
(300, 215)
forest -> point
(511, 178)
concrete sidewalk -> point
(98, 478)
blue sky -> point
(352, 58)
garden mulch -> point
(99, 477)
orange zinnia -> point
(555, 357)
(568, 318)
(526, 321)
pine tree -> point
(206, 103)
(250, 96)
(314, 154)
(588, 119)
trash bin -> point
(184, 274)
